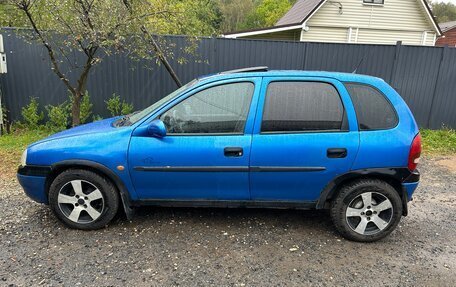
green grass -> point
(438, 142)
(20, 139)
(435, 142)
(11, 148)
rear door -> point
(305, 134)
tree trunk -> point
(76, 108)
(81, 87)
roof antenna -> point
(359, 64)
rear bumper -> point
(411, 183)
(414, 177)
(410, 188)
(33, 181)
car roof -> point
(344, 77)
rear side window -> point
(373, 110)
(302, 106)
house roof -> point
(300, 11)
(447, 26)
(433, 18)
(266, 30)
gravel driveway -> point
(230, 247)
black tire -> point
(105, 203)
(350, 195)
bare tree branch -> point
(160, 55)
(25, 6)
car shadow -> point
(240, 218)
(193, 220)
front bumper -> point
(33, 181)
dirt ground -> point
(231, 247)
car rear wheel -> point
(83, 199)
(366, 210)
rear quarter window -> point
(373, 109)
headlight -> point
(24, 158)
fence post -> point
(212, 53)
(304, 61)
(395, 62)
(436, 86)
(5, 122)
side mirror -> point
(156, 129)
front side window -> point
(373, 110)
(221, 109)
(374, 1)
(302, 106)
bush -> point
(31, 115)
(96, 118)
(86, 108)
(118, 107)
(58, 117)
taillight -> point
(415, 152)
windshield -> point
(138, 115)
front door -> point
(205, 154)
(305, 135)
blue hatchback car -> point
(243, 138)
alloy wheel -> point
(369, 213)
(81, 201)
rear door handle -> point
(336, 152)
(233, 151)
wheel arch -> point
(98, 168)
(393, 176)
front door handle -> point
(336, 152)
(233, 151)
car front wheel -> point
(366, 210)
(83, 199)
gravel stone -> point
(230, 247)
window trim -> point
(344, 114)
(382, 94)
(371, 3)
(204, 89)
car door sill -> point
(228, 203)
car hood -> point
(102, 126)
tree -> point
(10, 17)
(234, 13)
(444, 12)
(193, 17)
(267, 13)
(95, 28)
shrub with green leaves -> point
(58, 116)
(126, 108)
(97, 118)
(118, 107)
(31, 115)
(86, 108)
